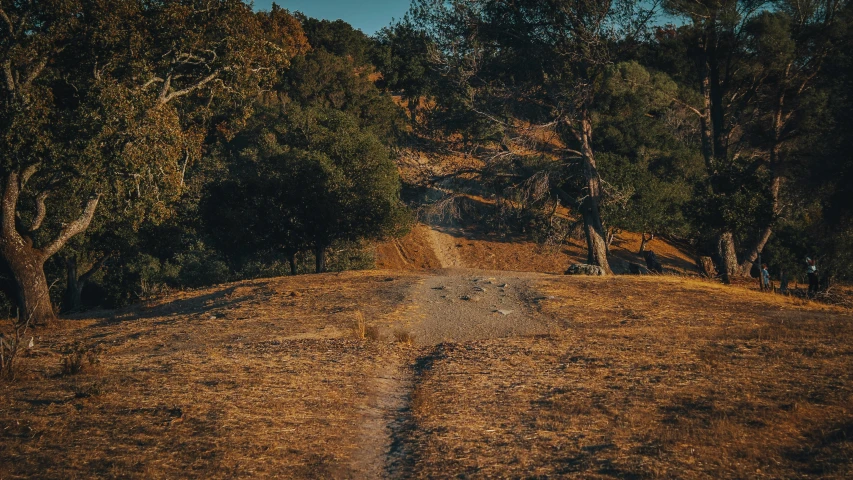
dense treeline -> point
(724, 124)
(180, 144)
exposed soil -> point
(460, 306)
(432, 247)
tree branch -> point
(77, 226)
(8, 21)
(10, 78)
(41, 211)
(27, 174)
(179, 93)
(10, 202)
(37, 69)
(97, 266)
(164, 90)
(687, 106)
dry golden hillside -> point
(371, 375)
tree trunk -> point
(320, 259)
(728, 255)
(291, 258)
(32, 291)
(590, 207)
(22, 260)
(73, 287)
(75, 284)
(745, 267)
(775, 188)
(644, 241)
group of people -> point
(811, 272)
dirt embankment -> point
(430, 247)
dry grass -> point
(650, 377)
(646, 377)
(256, 379)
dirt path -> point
(466, 305)
(381, 420)
(444, 246)
(455, 305)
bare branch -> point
(41, 211)
(8, 22)
(77, 226)
(179, 93)
(10, 78)
(97, 266)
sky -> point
(368, 15)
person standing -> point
(811, 271)
(765, 277)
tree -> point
(527, 68)
(789, 48)
(112, 99)
(314, 176)
(404, 63)
(647, 156)
(338, 38)
(754, 63)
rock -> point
(213, 317)
(637, 269)
(503, 312)
(479, 289)
(584, 269)
(503, 285)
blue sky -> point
(368, 16)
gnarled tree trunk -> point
(32, 294)
(320, 258)
(728, 255)
(75, 284)
(24, 262)
(596, 235)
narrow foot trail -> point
(450, 306)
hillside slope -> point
(459, 372)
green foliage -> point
(312, 169)
(650, 166)
(340, 39)
(317, 177)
